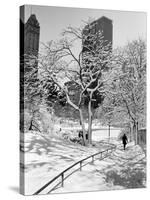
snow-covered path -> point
(121, 170)
(45, 157)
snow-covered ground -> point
(102, 134)
(121, 170)
(45, 157)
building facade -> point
(103, 25)
(32, 35)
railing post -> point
(62, 181)
(80, 165)
(101, 156)
(92, 159)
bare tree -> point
(36, 93)
(85, 65)
(129, 80)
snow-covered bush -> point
(27, 119)
(71, 136)
(46, 120)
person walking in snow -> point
(124, 140)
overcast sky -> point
(126, 25)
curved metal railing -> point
(81, 164)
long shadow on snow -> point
(128, 178)
(130, 175)
(38, 145)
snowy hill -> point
(45, 156)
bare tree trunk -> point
(90, 119)
(131, 131)
(83, 127)
(130, 137)
(135, 131)
(109, 132)
(30, 128)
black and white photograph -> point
(83, 102)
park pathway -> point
(45, 157)
(121, 170)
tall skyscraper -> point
(104, 25)
(29, 45)
(32, 34)
(95, 37)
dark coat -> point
(124, 139)
(80, 135)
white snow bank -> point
(47, 156)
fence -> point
(101, 155)
(142, 137)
